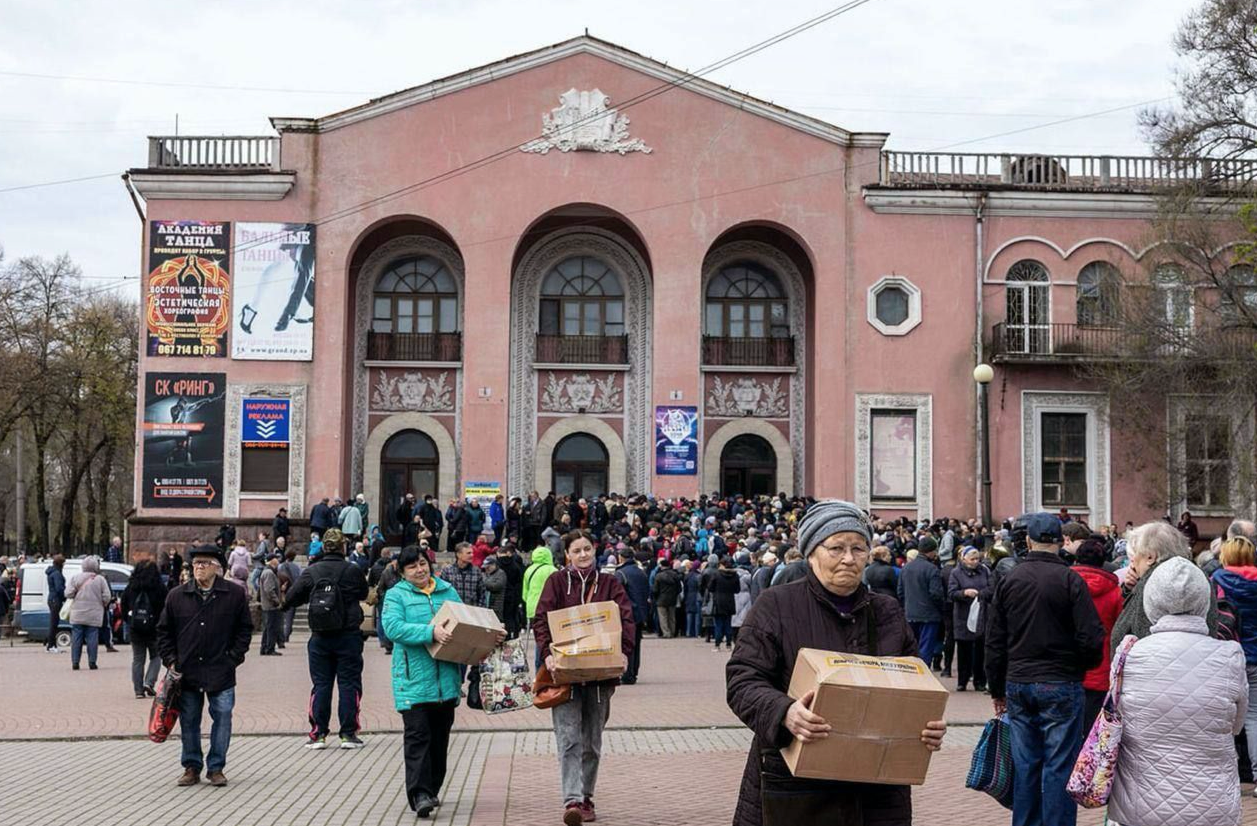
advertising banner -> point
(273, 289)
(894, 455)
(187, 304)
(183, 440)
(264, 423)
(676, 441)
(484, 493)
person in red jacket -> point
(578, 723)
(1106, 593)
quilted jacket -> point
(1183, 700)
(407, 619)
(1240, 587)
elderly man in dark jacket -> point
(830, 609)
(666, 591)
(924, 599)
(881, 575)
(637, 586)
(202, 635)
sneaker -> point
(587, 811)
(317, 742)
(351, 742)
(574, 814)
(425, 805)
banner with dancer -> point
(676, 441)
(183, 440)
(187, 303)
(273, 288)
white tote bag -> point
(975, 610)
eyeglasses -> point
(203, 563)
(857, 552)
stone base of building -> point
(156, 535)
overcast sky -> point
(931, 73)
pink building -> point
(518, 266)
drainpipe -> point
(135, 198)
(979, 266)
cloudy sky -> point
(82, 82)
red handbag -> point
(165, 711)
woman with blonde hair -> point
(1236, 582)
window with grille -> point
(264, 469)
(1063, 442)
(1208, 461)
(1099, 295)
(582, 296)
(1027, 318)
(415, 295)
(746, 301)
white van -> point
(32, 617)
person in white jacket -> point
(1183, 700)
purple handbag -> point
(1092, 778)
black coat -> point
(147, 581)
(882, 578)
(321, 518)
(724, 589)
(962, 579)
(430, 517)
(784, 619)
(637, 586)
(667, 588)
(205, 641)
(279, 527)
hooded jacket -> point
(724, 588)
(407, 618)
(1106, 593)
(540, 567)
(1240, 587)
(567, 587)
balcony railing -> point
(1074, 342)
(1063, 172)
(414, 346)
(214, 153)
(582, 349)
(748, 352)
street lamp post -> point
(983, 374)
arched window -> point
(582, 296)
(1238, 303)
(1099, 295)
(580, 466)
(415, 295)
(746, 300)
(1027, 310)
(748, 466)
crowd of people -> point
(1039, 612)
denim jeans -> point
(578, 726)
(693, 623)
(722, 628)
(220, 705)
(79, 634)
(1046, 726)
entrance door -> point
(580, 466)
(748, 466)
(409, 463)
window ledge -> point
(546, 365)
(746, 368)
(277, 496)
(388, 363)
(893, 504)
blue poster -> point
(676, 441)
(264, 423)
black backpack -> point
(143, 617)
(327, 612)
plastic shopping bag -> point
(991, 768)
(165, 712)
(505, 684)
(975, 612)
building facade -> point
(579, 270)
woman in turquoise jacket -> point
(425, 690)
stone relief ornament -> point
(580, 393)
(747, 397)
(413, 391)
(583, 122)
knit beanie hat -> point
(1176, 586)
(828, 517)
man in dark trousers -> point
(202, 635)
(924, 599)
(637, 586)
(1043, 635)
(333, 587)
(430, 516)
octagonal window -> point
(894, 306)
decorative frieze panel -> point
(417, 390)
(765, 398)
(582, 393)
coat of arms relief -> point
(583, 122)
(579, 393)
(413, 391)
(748, 397)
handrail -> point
(190, 152)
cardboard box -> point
(585, 642)
(877, 706)
(592, 658)
(473, 632)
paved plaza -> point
(674, 753)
